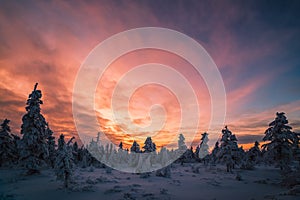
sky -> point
(254, 44)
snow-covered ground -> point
(191, 181)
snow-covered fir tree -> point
(149, 145)
(135, 147)
(203, 151)
(281, 141)
(64, 163)
(33, 145)
(7, 146)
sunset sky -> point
(255, 45)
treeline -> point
(37, 149)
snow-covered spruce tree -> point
(281, 141)
(149, 145)
(64, 163)
(203, 151)
(135, 147)
(33, 145)
(7, 146)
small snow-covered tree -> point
(149, 145)
(203, 146)
(135, 147)
(181, 143)
(64, 162)
(7, 146)
(33, 146)
(281, 141)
